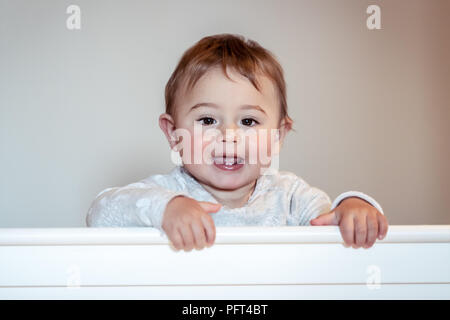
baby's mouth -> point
(228, 161)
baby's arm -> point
(137, 204)
(359, 216)
(307, 203)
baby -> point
(226, 116)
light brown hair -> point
(227, 50)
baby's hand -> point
(187, 223)
(360, 223)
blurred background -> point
(79, 108)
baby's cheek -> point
(265, 143)
(197, 147)
(188, 147)
(203, 146)
(208, 146)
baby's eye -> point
(207, 121)
(249, 122)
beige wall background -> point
(79, 108)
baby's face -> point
(229, 129)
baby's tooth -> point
(229, 162)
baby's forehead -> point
(215, 85)
(234, 76)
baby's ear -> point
(285, 127)
(167, 125)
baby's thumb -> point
(325, 219)
(209, 207)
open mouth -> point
(228, 163)
(228, 160)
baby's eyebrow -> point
(249, 106)
(210, 104)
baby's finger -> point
(346, 226)
(188, 238)
(199, 235)
(360, 230)
(210, 207)
(382, 226)
(372, 230)
(176, 239)
(210, 229)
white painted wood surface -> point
(412, 262)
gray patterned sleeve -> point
(137, 204)
(307, 203)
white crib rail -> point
(412, 262)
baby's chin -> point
(223, 179)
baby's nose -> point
(230, 134)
